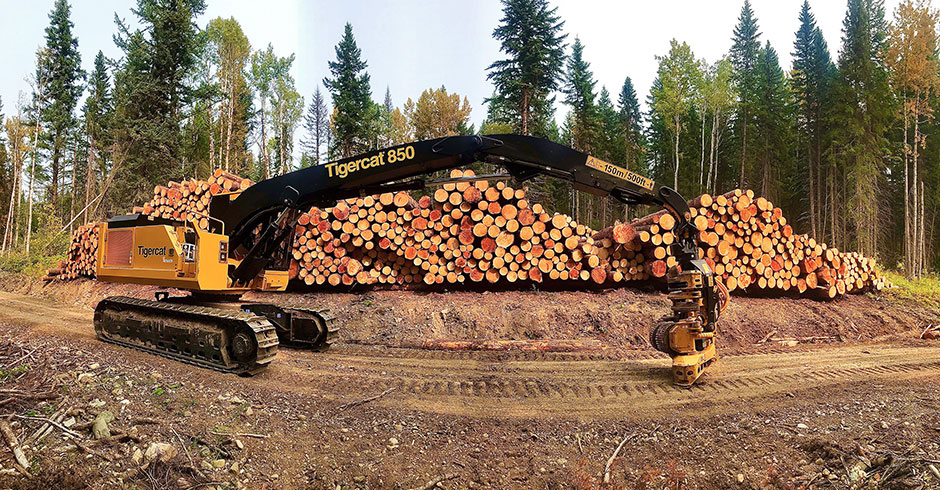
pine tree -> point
(772, 122)
(355, 114)
(315, 123)
(630, 126)
(386, 131)
(97, 113)
(860, 118)
(63, 68)
(745, 53)
(810, 83)
(530, 34)
(150, 92)
(579, 95)
(437, 113)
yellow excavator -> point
(246, 248)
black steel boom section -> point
(385, 170)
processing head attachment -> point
(688, 336)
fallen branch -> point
(52, 423)
(119, 436)
(45, 429)
(610, 460)
(205, 484)
(364, 400)
(21, 359)
(767, 337)
(13, 443)
(91, 451)
(238, 434)
(433, 483)
(190, 458)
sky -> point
(413, 45)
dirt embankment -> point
(620, 318)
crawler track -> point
(197, 335)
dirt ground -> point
(843, 395)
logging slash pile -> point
(475, 232)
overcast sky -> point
(412, 45)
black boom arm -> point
(388, 169)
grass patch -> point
(925, 290)
(31, 265)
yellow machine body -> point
(176, 256)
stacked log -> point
(81, 255)
(464, 232)
(750, 246)
(475, 232)
(189, 200)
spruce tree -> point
(352, 98)
(772, 123)
(315, 123)
(812, 73)
(150, 93)
(63, 69)
(530, 35)
(860, 117)
(745, 53)
(579, 95)
(630, 128)
(97, 113)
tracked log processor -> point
(246, 248)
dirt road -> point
(535, 384)
(763, 417)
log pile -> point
(81, 257)
(465, 232)
(751, 247)
(189, 200)
(474, 232)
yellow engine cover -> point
(176, 256)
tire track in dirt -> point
(469, 385)
(535, 384)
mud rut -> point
(530, 384)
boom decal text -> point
(619, 172)
(392, 155)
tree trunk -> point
(908, 249)
(741, 183)
(8, 231)
(211, 161)
(282, 144)
(525, 113)
(264, 143)
(676, 177)
(711, 154)
(32, 167)
(88, 173)
(228, 135)
(812, 184)
(54, 179)
(701, 165)
(72, 203)
(917, 198)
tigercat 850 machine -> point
(246, 248)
